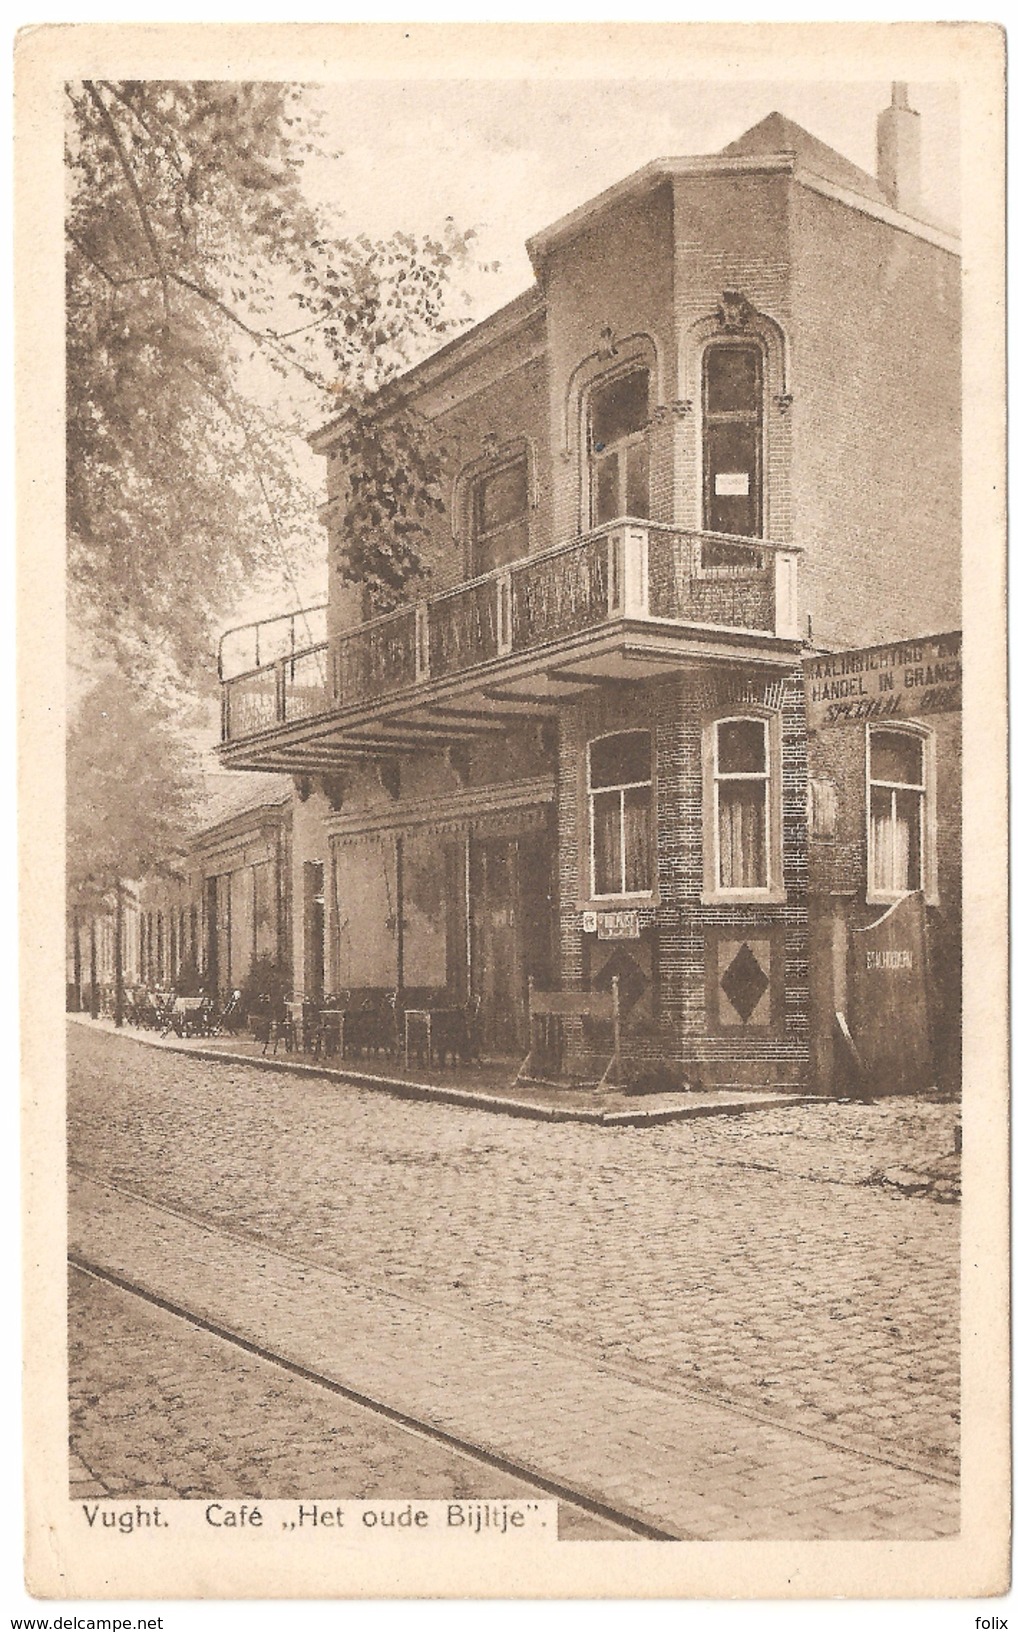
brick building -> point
(723, 425)
(884, 754)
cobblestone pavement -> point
(155, 1406)
(686, 1467)
(745, 1258)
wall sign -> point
(732, 484)
(618, 926)
(884, 682)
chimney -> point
(898, 163)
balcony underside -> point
(465, 707)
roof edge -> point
(660, 170)
(498, 325)
(641, 181)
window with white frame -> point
(897, 812)
(621, 833)
(618, 415)
(742, 808)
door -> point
(511, 932)
(495, 961)
(314, 930)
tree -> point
(211, 312)
(134, 782)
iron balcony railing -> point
(635, 570)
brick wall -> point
(838, 884)
(616, 275)
(731, 233)
(686, 932)
(877, 426)
(493, 404)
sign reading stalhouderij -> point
(884, 682)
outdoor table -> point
(181, 1014)
(451, 1030)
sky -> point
(508, 157)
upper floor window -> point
(897, 812)
(498, 516)
(733, 439)
(621, 840)
(619, 455)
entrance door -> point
(510, 896)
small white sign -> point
(590, 923)
(618, 926)
(732, 484)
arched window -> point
(618, 450)
(897, 783)
(621, 833)
(732, 388)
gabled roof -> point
(776, 134)
(237, 793)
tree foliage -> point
(213, 315)
(395, 476)
(134, 783)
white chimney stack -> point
(898, 159)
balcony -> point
(616, 604)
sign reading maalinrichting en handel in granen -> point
(884, 682)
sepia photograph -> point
(506, 531)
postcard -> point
(514, 878)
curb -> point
(461, 1098)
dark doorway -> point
(511, 932)
(314, 930)
(211, 935)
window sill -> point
(744, 898)
(618, 903)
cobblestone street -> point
(753, 1260)
(166, 1411)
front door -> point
(495, 964)
(510, 898)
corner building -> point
(723, 425)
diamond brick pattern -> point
(744, 982)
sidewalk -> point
(489, 1086)
(698, 1469)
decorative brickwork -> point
(683, 1032)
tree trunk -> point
(93, 972)
(118, 957)
(76, 933)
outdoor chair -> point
(370, 1024)
(142, 1010)
(229, 1018)
(330, 1026)
(436, 1027)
